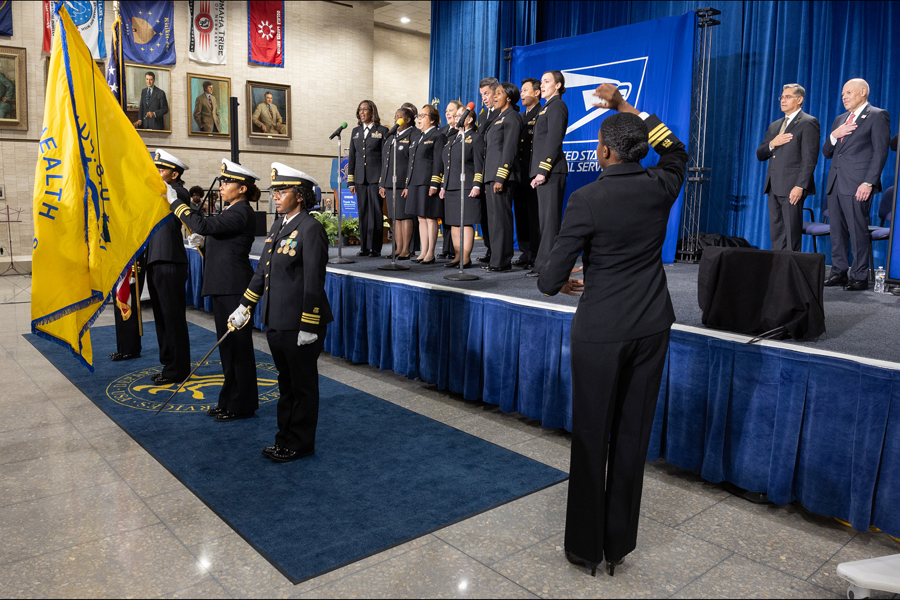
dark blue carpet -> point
(381, 474)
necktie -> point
(271, 116)
(784, 125)
(209, 99)
(366, 132)
(849, 122)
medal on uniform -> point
(293, 234)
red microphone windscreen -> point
(470, 106)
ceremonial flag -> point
(148, 36)
(97, 197)
(265, 22)
(88, 18)
(5, 17)
(207, 40)
(115, 72)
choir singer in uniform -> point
(450, 188)
(620, 332)
(290, 283)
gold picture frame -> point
(135, 84)
(260, 117)
(13, 104)
(209, 116)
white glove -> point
(171, 196)
(240, 316)
(196, 240)
(304, 338)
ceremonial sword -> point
(231, 328)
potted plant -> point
(329, 221)
(350, 230)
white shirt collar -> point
(858, 111)
(427, 130)
(791, 116)
(289, 219)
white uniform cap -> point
(232, 170)
(283, 176)
(164, 159)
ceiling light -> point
(404, 20)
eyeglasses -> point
(787, 97)
(365, 110)
(277, 193)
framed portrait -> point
(147, 93)
(269, 110)
(13, 88)
(209, 105)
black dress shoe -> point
(611, 566)
(577, 560)
(374, 254)
(415, 260)
(857, 285)
(117, 356)
(532, 274)
(268, 451)
(156, 376)
(468, 265)
(282, 454)
(165, 381)
(498, 269)
(215, 412)
(526, 264)
(362, 253)
(484, 259)
(426, 262)
(836, 280)
(452, 265)
(225, 416)
(403, 257)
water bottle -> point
(879, 280)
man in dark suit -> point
(153, 105)
(528, 230)
(858, 149)
(620, 332)
(486, 118)
(789, 178)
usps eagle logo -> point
(266, 30)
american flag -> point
(115, 73)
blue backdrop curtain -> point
(759, 47)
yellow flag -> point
(97, 197)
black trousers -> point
(448, 241)
(849, 221)
(298, 386)
(614, 391)
(128, 333)
(371, 217)
(485, 222)
(785, 222)
(528, 230)
(166, 283)
(550, 198)
(499, 209)
(239, 393)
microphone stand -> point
(339, 259)
(394, 266)
(462, 275)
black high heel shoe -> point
(427, 262)
(452, 265)
(577, 560)
(611, 566)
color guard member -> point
(167, 273)
(290, 284)
(226, 239)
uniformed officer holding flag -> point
(290, 284)
(226, 239)
(167, 272)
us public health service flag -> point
(207, 42)
(149, 34)
(97, 197)
(265, 22)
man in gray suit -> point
(791, 146)
(858, 149)
(153, 106)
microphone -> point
(461, 122)
(394, 128)
(338, 131)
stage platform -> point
(859, 325)
(815, 422)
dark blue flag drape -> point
(759, 47)
(6, 17)
(148, 35)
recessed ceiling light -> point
(404, 20)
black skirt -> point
(401, 204)
(451, 209)
(419, 203)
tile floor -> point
(87, 512)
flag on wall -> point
(207, 41)
(149, 35)
(5, 17)
(265, 22)
(88, 18)
(97, 197)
